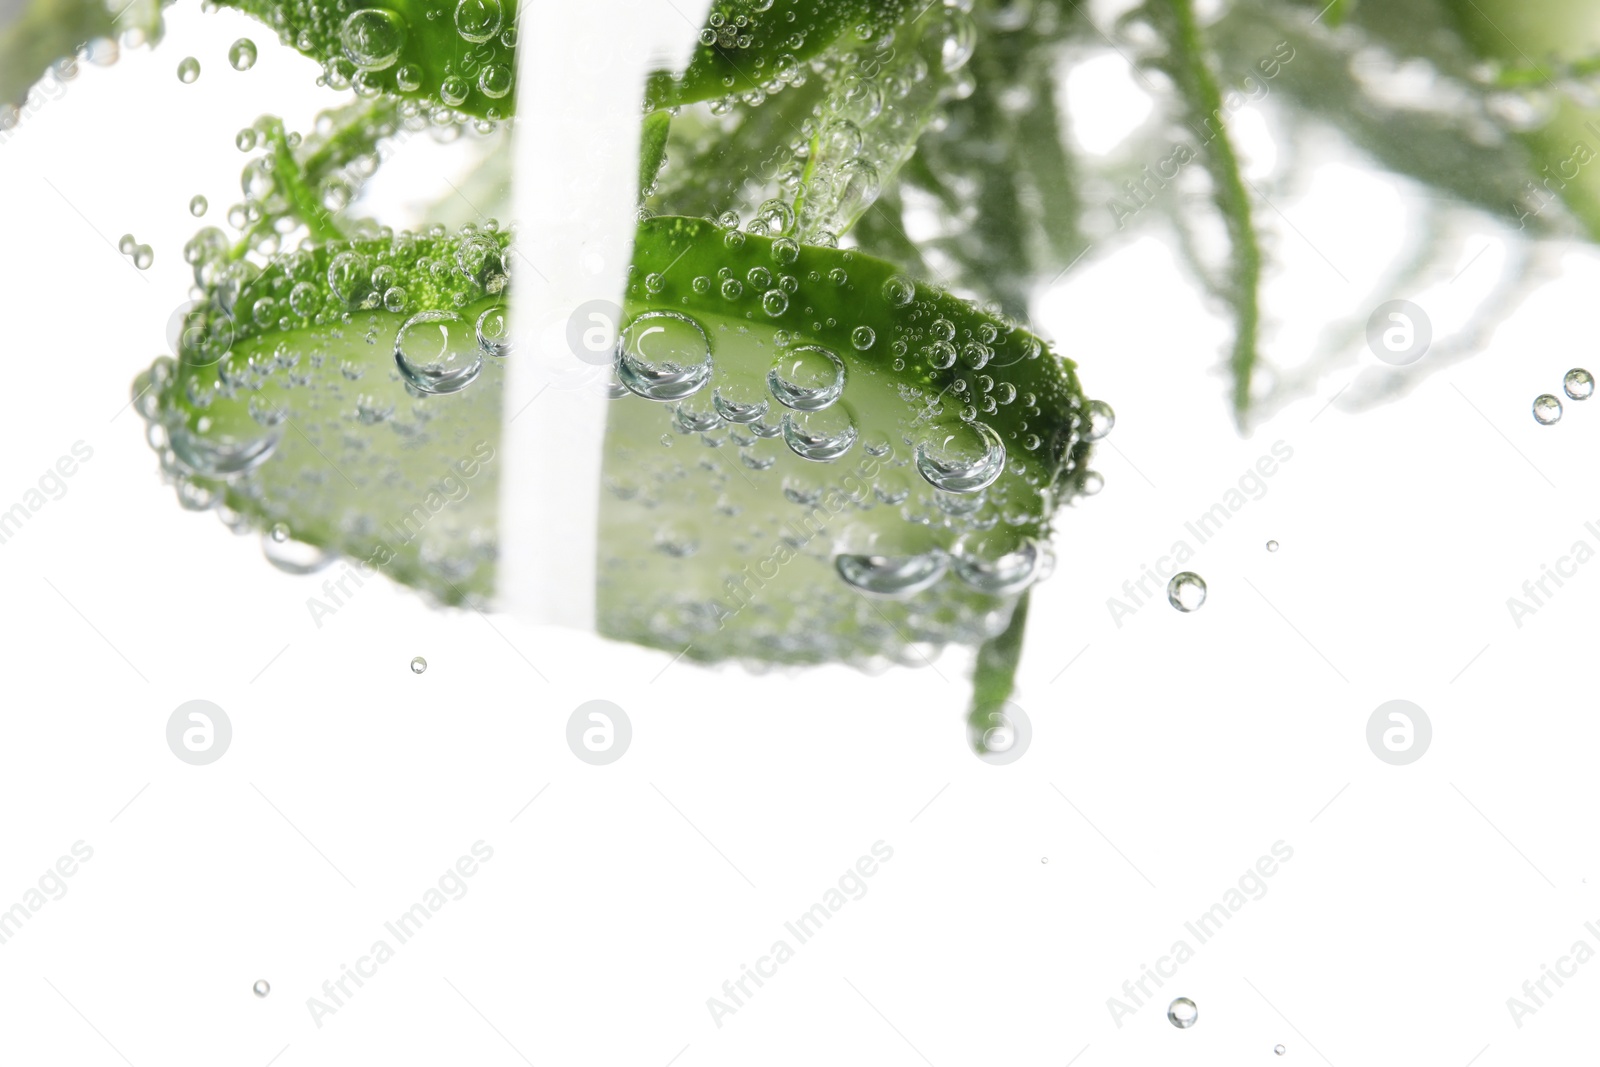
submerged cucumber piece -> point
(809, 457)
(817, 459)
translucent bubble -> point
(738, 402)
(261, 988)
(222, 454)
(494, 331)
(998, 563)
(1547, 409)
(1186, 592)
(1101, 420)
(245, 141)
(437, 352)
(350, 276)
(1272, 546)
(862, 337)
(242, 54)
(454, 90)
(820, 436)
(478, 20)
(663, 355)
(143, 257)
(962, 459)
(775, 302)
(899, 290)
(1578, 384)
(127, 243)
(294, 557)
(1182, 1013)
(495, 81)
(188, 70)
(372, 38)
(1278, 1050)
(807, 378)
(198, 206)
(892, 576)
(418, 664)
(408, 78)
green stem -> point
(1189, 68)
(994, 678)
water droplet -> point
(889, 576)
(1182, 1013)
(663, 355)
(1578, 384)
(197, 206)
(1272, 546)
(862, 337)
(899, 290)
(418, 664)
(372, 38)
(1547, 410)
(293, 557)
(1101, 420)
(478, 20)
(261, 988)
(242, 54)
(188, 70)
(739, 402)
(494, 331)
(962, 459)
(437, 352)
(1186, 591)
(998, 562)
(807, 378)
(820, 436)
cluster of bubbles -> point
(1578, 385)
(318, 363)
(942, 412)
(142, 255)
(377, 49)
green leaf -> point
(460, 56)
(760, 45)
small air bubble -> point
(418, 664)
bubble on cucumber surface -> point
(1186, 591)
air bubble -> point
(372, 38)
(1182, 1013)
(807, 378)
(1101, 420)
(963, 459)
(820, 436)
(1578, 384)
(188, 70)
(1186, 592)
(242, 54)
(418, 664)
(1547, 409)
(437, 352)
(478, 20)
(261, 988)
(889, 576)
(664, 355)
(198, 206)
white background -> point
(1168, 754)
